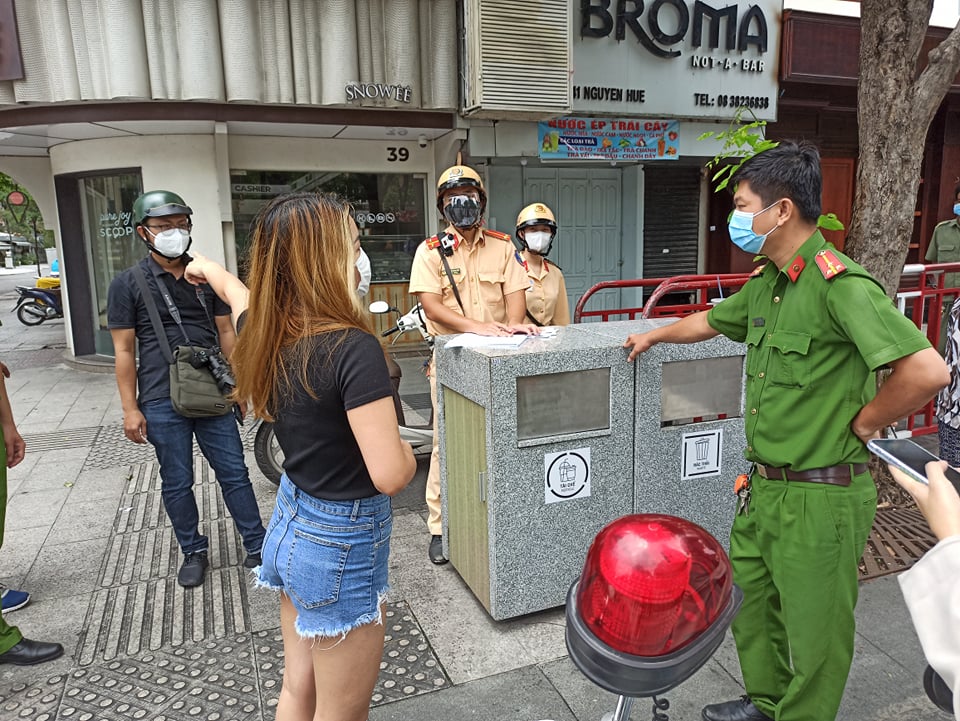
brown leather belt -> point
(832, 475)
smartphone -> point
(910, 458)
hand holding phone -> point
(937, 494)
(910, 458)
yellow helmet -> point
(536, 214)
(459, 176)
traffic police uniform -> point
(815, 332)
(546, 294)
(945, 248)
(484, 273)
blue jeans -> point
(219, 439)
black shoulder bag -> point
(200, 378)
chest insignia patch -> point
(453, 271)
(829, 264)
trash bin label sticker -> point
(566, 475)
(701, 454)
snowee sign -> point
(676, 58)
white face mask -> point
(363, 265)
(537, 241)
(171, 243)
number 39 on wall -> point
(395, 155)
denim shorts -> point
(329, 558)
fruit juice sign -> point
(609, 139)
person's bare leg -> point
(345, 672)
(298, 695)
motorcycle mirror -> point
(380, 306)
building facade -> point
(595, 108)
(227, 104)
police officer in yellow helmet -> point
(547, 302)
(468, 280)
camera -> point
(422, 141)
(447, 243)
(218, 366)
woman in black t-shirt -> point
(308, 361)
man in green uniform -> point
(14, 648)
(945, 248)
(816, 326)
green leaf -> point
(829, 222)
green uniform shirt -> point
(812, 344)
(945, 248)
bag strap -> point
(453, 283)
(535, 321)
(172, 308)
(153, 312)
(203, 304)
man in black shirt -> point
(163, 224)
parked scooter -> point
(36, 305)
(266, 449)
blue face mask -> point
(956, 209)
(741, 230)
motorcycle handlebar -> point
(389, 332)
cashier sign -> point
(566, 475)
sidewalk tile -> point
(82, 521)
(66, 570)
(522, 695)
(20, 550)
(34, 509)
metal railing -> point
(921, 297)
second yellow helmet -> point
(533, 215)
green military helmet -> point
(158, 203)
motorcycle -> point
(36, 305)
(266, 449)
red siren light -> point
(653, 603)
(653, 583)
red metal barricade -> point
(701, 289)
(921, 297)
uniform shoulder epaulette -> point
(496, 234)
(433, 242)
(829, 264)
(945, 222)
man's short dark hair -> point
(956, 190)
(790, 170)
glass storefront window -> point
(388, 208)
(105, 203)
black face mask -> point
(462, 211)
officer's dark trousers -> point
(795, 556)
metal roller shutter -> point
(671, 221)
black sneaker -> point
(252, 560)
(192, 570)
(436, 550)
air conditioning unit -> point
(516, 59)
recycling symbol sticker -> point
(566, 475)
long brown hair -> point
(302, 284)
